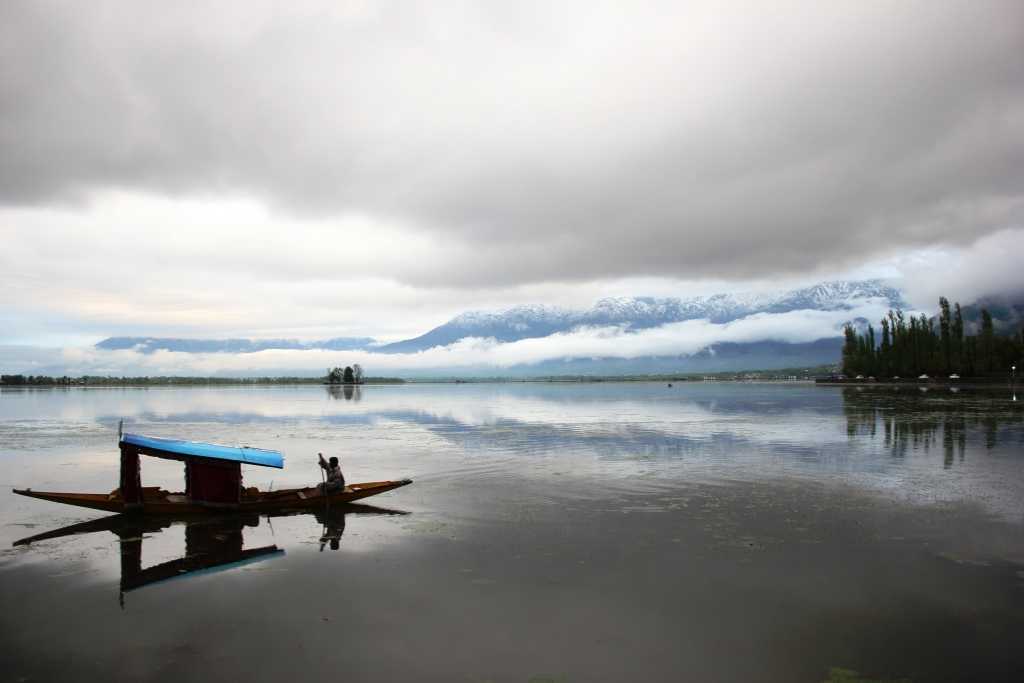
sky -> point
(312, 170)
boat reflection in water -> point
(210, 543)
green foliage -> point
(344, 376)
(912, 347)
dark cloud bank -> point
(575, 142)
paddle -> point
(323, 477)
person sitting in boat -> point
(335, 479)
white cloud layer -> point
(991, 267)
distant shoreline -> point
(603, 380)
(417, 381)
(821, 375)
(782, 375)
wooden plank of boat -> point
(156, 502)
(95, 501)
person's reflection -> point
(333, 524)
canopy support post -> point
(131, 478)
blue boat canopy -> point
(182, 450)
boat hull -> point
(159, 504)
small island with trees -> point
(350, 374)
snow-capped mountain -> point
(523, 322)
(633, 313)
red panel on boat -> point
(213, 481)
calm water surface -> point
(706, 532)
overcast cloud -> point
(373, 168)
(577, 140)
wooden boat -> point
(213, 483)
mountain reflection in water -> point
(211, 544)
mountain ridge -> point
(539, 320)
(527, 321)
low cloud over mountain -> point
(644, 313)
(643, 334)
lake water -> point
(554, 532)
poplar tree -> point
(911, 346)
(958, 338)
(944, 330)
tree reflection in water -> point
(349, 392)
(920, 419)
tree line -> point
(38, 380)
(107, 381)
(909, 346)
(100, 380)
